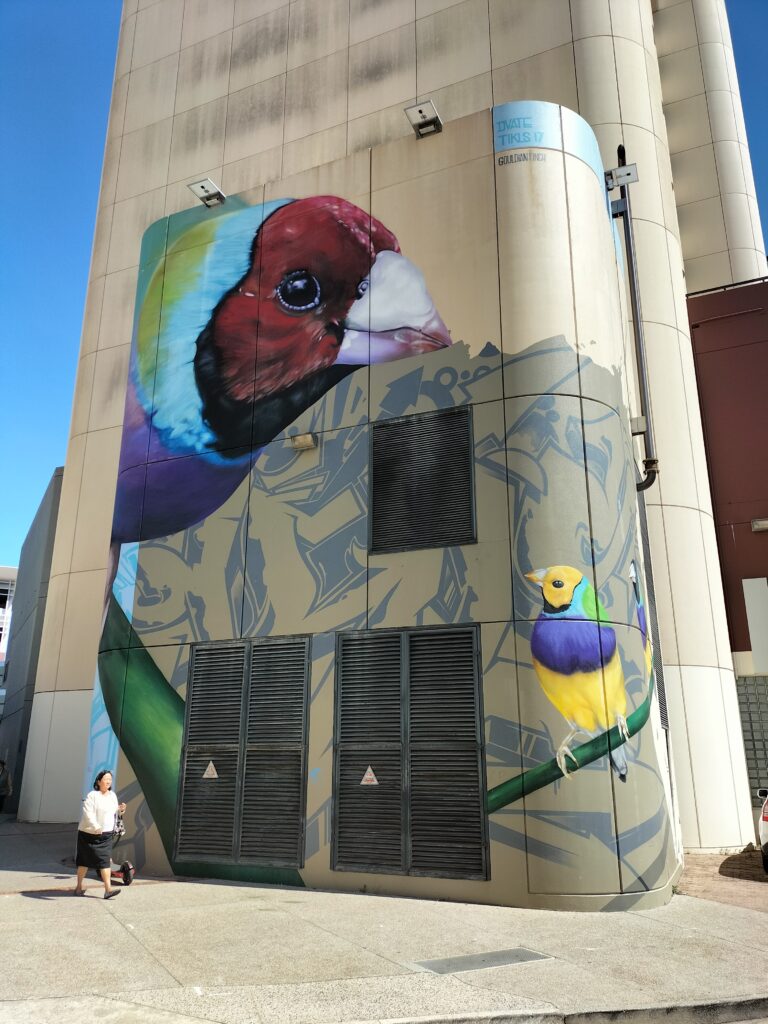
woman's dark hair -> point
(100, 776)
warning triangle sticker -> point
(369, 779)
(210, 772)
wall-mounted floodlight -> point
(302, 442)
(207, 192)
(759, 525)
(424, 119)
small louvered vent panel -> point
(216, 694)
(273, 806)
(276, 706)
(369, 826)
(370, 688)
(206, 827)
(421, 482)
(446, 812)
(443, 691)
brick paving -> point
(736, 878)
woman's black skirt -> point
(94, 851)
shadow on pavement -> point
(747, 865)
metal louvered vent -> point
(242, 792)
(653, 619)
(408, 758)
(421, 482)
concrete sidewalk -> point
(177, 952)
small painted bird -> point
(248, 320)
(577, 660)
(642, 619)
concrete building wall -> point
(26, 629)
(249, 91)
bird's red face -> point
(327, 284)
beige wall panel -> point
(314, 150)
(94, 299)
(466, 290)
(316, 96)
(658, 297)
(633, 94)
(626, 21)
(61, 798)
(681, 757)
(204, 72)
(688, 124)
(259, 50)
(729, 157)
(738, 759)
(655, 95)
(746, 264)
(116, 322)
(685, 549)
(109, 172)
(714, 574)
(198, 139)
(592, 18)
(144, 159)
(598, 89)
(641, 150)
(702, 228)
(738, 221)
(246, 10)
(349, 178)
(681, 75)
(382, 72)
(378, 127)
(97, 494)
(151, 93)
(453, 45)
(708, 25)
(158, 32)
(368, 19)
(548, 76)
(317, 28)
(690, 395)
(520, 29)
(462, 98)
(178, 196)
(125, 47)
(674, 28)
(203, 19)
(129, 7)
(696, 175)
(715, 67)
(82, 628)
(702, 272)
(723, 117)
(70, 491)
(52, 637)
(666, 184)
(426, 7)
(255, 119)
(117, 110)
(101, 242)
(34, 761)
(109, 380)
(241, 175)
(81, 403)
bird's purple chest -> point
(572, 645)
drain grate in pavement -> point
(477, 961)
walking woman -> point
(96, 832)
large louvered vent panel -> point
(443, 688)
(421, 482)
(273, 807)
(369, 828)
(216, 694)
(272, 826)
(207, 819)
(369, 695)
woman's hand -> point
(121, 808)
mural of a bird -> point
(642, 619)
(577, 660)
(249, 320)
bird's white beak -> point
(536, 576)
(394, 318)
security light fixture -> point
(759, 525)
(424, 119)
(302, 442)
(207, 192)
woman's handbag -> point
(119, 825)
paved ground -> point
(738, 879)
(171, 952)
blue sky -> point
(56, 65)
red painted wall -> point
(729, 330)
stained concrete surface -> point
(177, 952)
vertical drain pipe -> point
(622, 208)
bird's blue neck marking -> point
(567, 645)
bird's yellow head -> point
(557, 583)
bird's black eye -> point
(299, 291)
(558, 583)
(362, 288)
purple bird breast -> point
(572, 645)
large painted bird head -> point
(563, 589)
(326, 290)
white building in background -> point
(7, 588)
(247, 93)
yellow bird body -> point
(580, 697)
